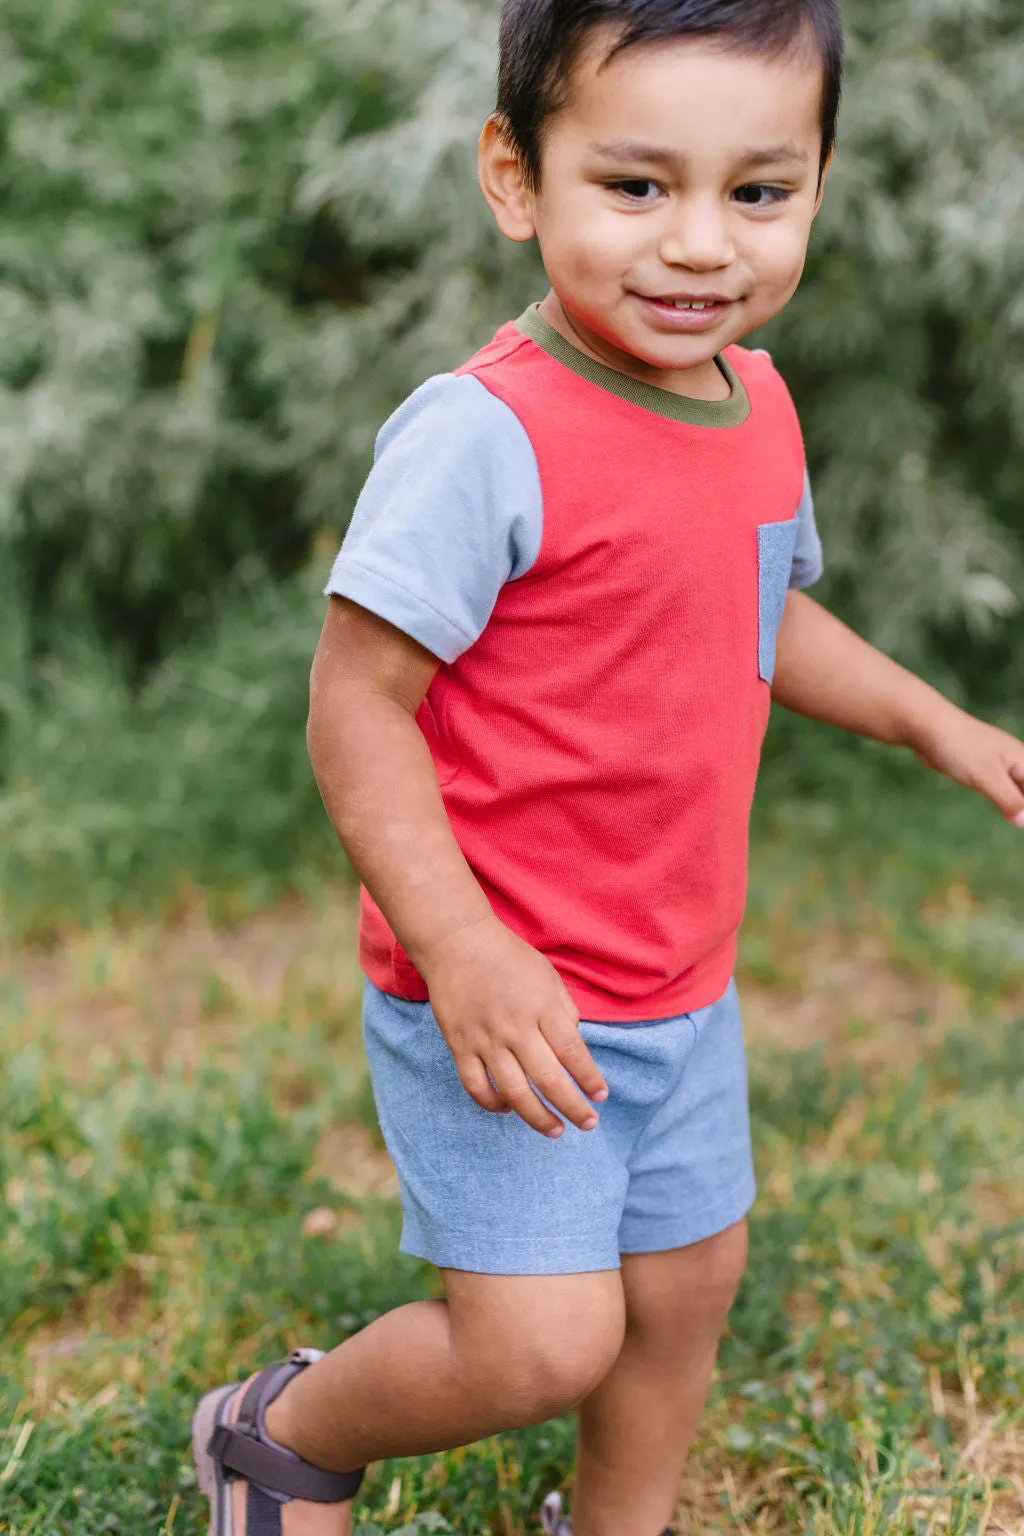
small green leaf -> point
(739, 1439)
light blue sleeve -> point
(808, 562)
(450, 511)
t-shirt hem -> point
(700, 990)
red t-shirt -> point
(597, 746)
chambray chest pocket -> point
(775, 545)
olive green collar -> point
(663, 402)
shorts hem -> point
(661, 1236)
(654, 1237)
(446, 1255)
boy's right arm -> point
(502, 1007)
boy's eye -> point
(633, 187)
(757, 195)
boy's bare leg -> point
(501, 1352)
(637, 1426)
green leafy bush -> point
(128, 796)
(236, 237)
(158, 287)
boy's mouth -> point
(708, 302)
(687, 312)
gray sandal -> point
(554, 1523)
(275, 1475)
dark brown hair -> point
(540, 42)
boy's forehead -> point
(681, 92)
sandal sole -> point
(213, 1410)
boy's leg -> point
(683, 1241)
(527, 1233)
(636, 1427)
(500, 1353)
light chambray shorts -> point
(668, 1165)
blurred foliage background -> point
(237, 235)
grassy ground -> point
(193, 1181)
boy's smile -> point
(678, 188)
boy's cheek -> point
(791, 251)
(779, 269)
(594, 254)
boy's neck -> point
(706, 382)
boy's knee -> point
(557, 1369)
(547, 1354)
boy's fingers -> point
(550, 1078)
(570, 1048)
(1005, 788)
(473, 1077)
(520, 1097)
(567, 998)
(1016, 767)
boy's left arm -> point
(824, 670)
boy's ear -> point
(500, 175)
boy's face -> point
(679, 172)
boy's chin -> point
(653, 349)
(674, 355)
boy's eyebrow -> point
(625, 150)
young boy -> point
(570, 589)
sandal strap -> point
(262, 1513)
(246, 1449)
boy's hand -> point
(504, 1010)
(980, 756)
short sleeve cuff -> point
(451, 510)
(808, 567)
(406, 610)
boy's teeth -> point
(685, 304)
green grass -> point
(166, 1125)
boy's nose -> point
(697, 236)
